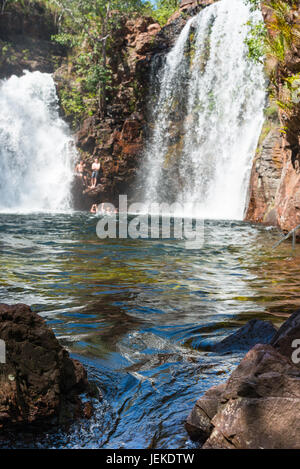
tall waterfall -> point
(36, 150)
(208, 116)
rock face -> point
(275, 184)
(265, 180)
(117, 138)
(274, 195)
(25, 40)
(287, 334)
(39, 383)
(259, 405)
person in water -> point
(95, 173)
(94, 208)
(104, 209)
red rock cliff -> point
(274, 194)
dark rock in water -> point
(285, 341)
(252, 333)
(39, 383)
(258, 406)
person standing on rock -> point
(95, 173)
(80, 171)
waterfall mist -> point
(36, 149)
(207, 118)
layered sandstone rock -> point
(39, 383)
(274, 194)
(259, 405)
(275, 184)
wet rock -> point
(259, 405)
(88, 410)
(39, 383)
(198, 424)
(80, 201)
(286, 336)
(38, 22)
(252, 333)
(274, 197)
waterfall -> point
(208, 116)
(36, 149)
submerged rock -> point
(39, 383)
(252, 333)
(259, 405)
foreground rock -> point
(259, 405)
(39, 383)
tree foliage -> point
(278, 38)
(164, 9)
(276, 41)
(91, 25)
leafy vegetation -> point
(164, 9)
(273, 43)
(256, 41)
(277, 39)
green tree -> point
(278, 38)
(94, 23)
(164, 9)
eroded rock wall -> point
(274, 192)
(25, 40)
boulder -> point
(289, 332)
(39, 382)
(198, 424)
(254, 332)
(259, 405)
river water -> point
(138, 313)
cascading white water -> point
(36, 149)
(208, 117)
